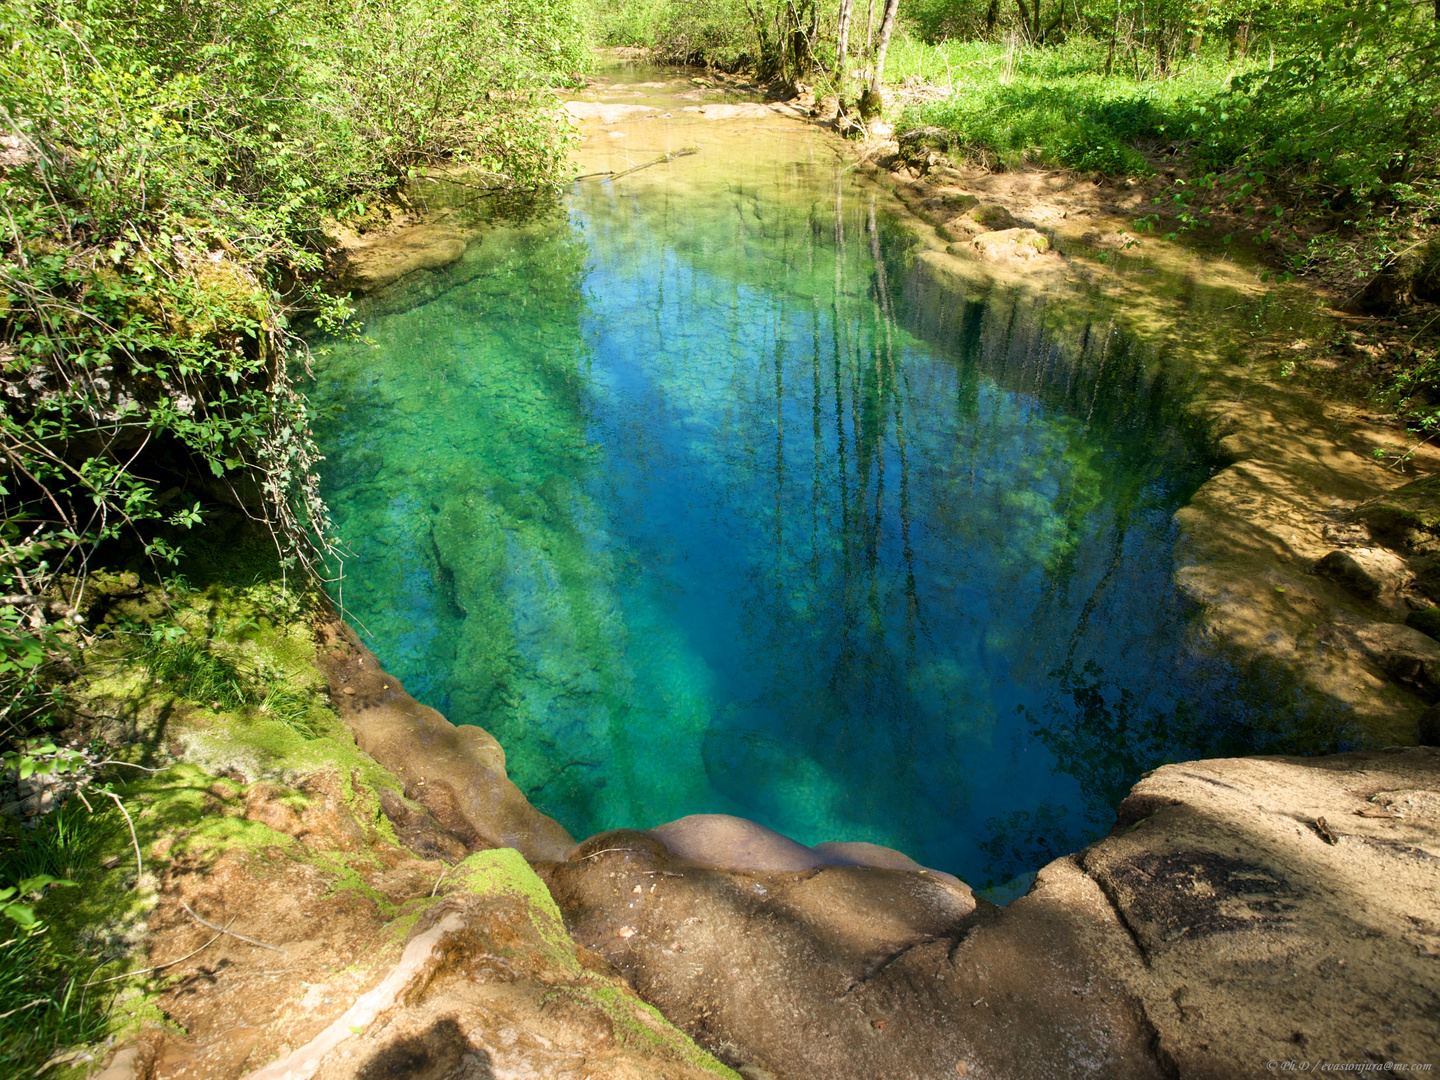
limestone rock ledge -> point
(456, 772)
(1242, 911)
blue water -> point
(721, 505)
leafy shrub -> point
(781, 39)
(1090, 145)
(166, 170)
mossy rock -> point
(1398, 515)
(870, 104)
(916, 141)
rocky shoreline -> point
(1241, 911)
(1272, 544)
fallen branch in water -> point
(684, 151)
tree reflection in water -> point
(718, 501)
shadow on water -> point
(721, 504)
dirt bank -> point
(291, 907)
(1241, 911)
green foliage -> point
(12, 898)
(1143, 37)
(417, 82)
(1007, 107)
(43, 1006)
(26, 692)
(789, 40)
(716, 32)
(63, 847)
(626, 25)
(1346, 126)
(165, 175)
(1330, 142)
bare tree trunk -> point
(842, 39)
(800, 55)
(772, 60)
(870, 100)
(1114, 38)
(869, 29)
(1197, 38)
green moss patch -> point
(504, 871)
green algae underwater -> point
(702, 499)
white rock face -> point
(1011, 245)
(605, 113)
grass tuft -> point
(45, 1006)
(194, 670)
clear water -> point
(702, 498)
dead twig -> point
(606, 851)
(139, 865)
(27, 1005)
(168, 963)
(227, 930)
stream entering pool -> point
(696, 497)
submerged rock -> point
(605, 112)
(370, 263)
